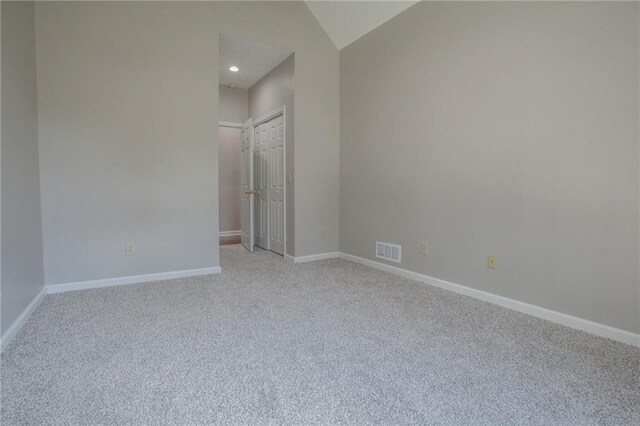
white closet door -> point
(275, 131)
(261, 187)
(246, 186)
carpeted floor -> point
(267, 342)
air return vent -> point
(388, 251)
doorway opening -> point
(256, 93)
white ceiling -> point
(347, 21)
(254, 60)
(344, 22)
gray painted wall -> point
(229, 151)
(128, 131)
(233, 104)
(271, 92)
(22, 271)
(233, 107)
(500, 128)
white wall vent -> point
(390, 252)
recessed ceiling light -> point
(233, 68)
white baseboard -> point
(13, 330)
(314, 257)
(85, 285)
(533, 310)
(567, 320)
(230, 233)
(134, 279)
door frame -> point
(238, 126)
(263, 119)
(251, 242)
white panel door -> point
(246, 187)
(260, 185)
(275, 132)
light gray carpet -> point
(330, 342)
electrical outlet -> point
(491, 261)
(289, 178)
(130, 249)
(424, 248)
(323, 235)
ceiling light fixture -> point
(233, 68)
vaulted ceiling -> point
(343, 21)
(347, 21)
(254, 61)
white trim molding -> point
(314, 257)
(133, 279)
(13, 330)
(229, 124)
(230, 233)
(85, 285)
(598, 329)
(268, 116)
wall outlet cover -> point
(130, 249)
(424, 248)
